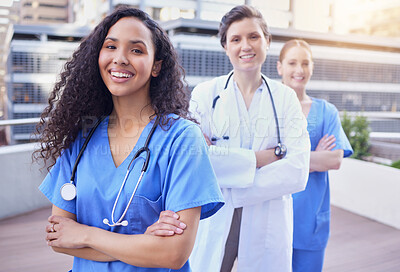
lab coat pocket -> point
(322, 222)
(279, 223)
(143, 213)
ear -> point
(156, 68)
(279, 67)
(226, 50)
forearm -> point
(286, 176)
(234, 167)
(325, 160)
(147, 250)
(265, 157)
(139, 250)
(85, 253)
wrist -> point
(265, 157)
(280, 151)
(87, 236)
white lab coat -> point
(265, 242)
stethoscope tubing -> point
(272, 102)
(145, 148)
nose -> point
(299, 68)
(246, 45)
(120, 58)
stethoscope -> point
(68, 190)
(280, 149)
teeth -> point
(298, 78)
(247, 56)
(118, 74)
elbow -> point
(177, 259)
(57, 249)
(337, 163)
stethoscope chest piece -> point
(68, 191)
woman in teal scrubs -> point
(125, 74)
(329, 144)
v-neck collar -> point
(311, 111)
(140, 142)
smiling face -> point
(126, 59)
(296, 68)
(246, 45)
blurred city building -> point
(8, 16)
(368, 17)
(356, 73)
(37, 55)
(45, 11)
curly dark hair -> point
(80, 94)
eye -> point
(137, 51)
(110, 47)
(235, 40)
(254, 37)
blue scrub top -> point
(311, 207)
(179, 176)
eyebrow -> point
(247, 34)
(131, 41)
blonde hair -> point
(292, 43)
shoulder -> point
(178, 126)
(210, 87)
(324, 105)
(280, 89)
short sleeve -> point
(190, 179)
(333, 126)
(59, 174)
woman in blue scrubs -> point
(125, 74)
(329, 145)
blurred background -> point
(356, 50)
(356, 46)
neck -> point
(131, 113)
(302, 95)
(247, 82)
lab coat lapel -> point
(264, 126)
(226, 116)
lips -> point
(248, 56)
(120, 74)
(298, 78)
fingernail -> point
(178, 230)
(170, 232)
(182, 225)
(176, 216)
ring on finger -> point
(52, 228)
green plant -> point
(357, 131)
(396, 164)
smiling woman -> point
(254, 118)
(126, 78)
(329, 144)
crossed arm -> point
(263, 157)
(323, 158)
(158, 247)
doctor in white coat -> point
(247, 142)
